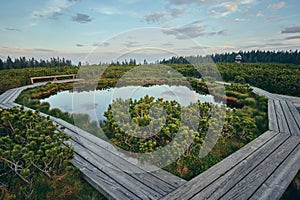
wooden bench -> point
(52, 78)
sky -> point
(102, 31)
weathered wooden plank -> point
(250, 183)
(166, 177)
(4, 105)
(273, 125)
(265, 93)
(232, 177)
(295, 114)
(8, 97)
(261, 92)
(103, 183)
(287, 97)
(10, 104)
(205, 179)
(221, 82)
(119, 163)
(5, 95)
(281, 120)
(83, 134)
(16, 92)
(291, 121)
(276, 184)
(116, 174)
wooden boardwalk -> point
(260, 170)
(114, 174)
(263, 168)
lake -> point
(95, 103)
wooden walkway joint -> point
(262, 169)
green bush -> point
(235, 94)
(31, 146)
(34, 160)
(242, 124)
(249, 101)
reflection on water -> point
(95, 103)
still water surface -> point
(95, 103)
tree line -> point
(254, 56)
(22, 62)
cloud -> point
(197, 21)
(104, 44)
(81, 18)
(221, 32)
(216, 7)
(181, 2)
(291, 29)
(231, 7)
(159, 17)
(191, 48)
(259, 14)
(240, 20)
(53, 9)
(293, 37)
(13, 29)
(168, 44)
(55, 15)
(264, 45)
(219, 12)
(212, 2)
(224, 9)
(108, 11)
(275, 44)
(116, 11)
(17, 49)
(130, 44)
(41, 49)
(177, 12)
(277, 6)
(156, 17)
(192, 30)
(79, 45)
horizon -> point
(108, 31)
(142, 61)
